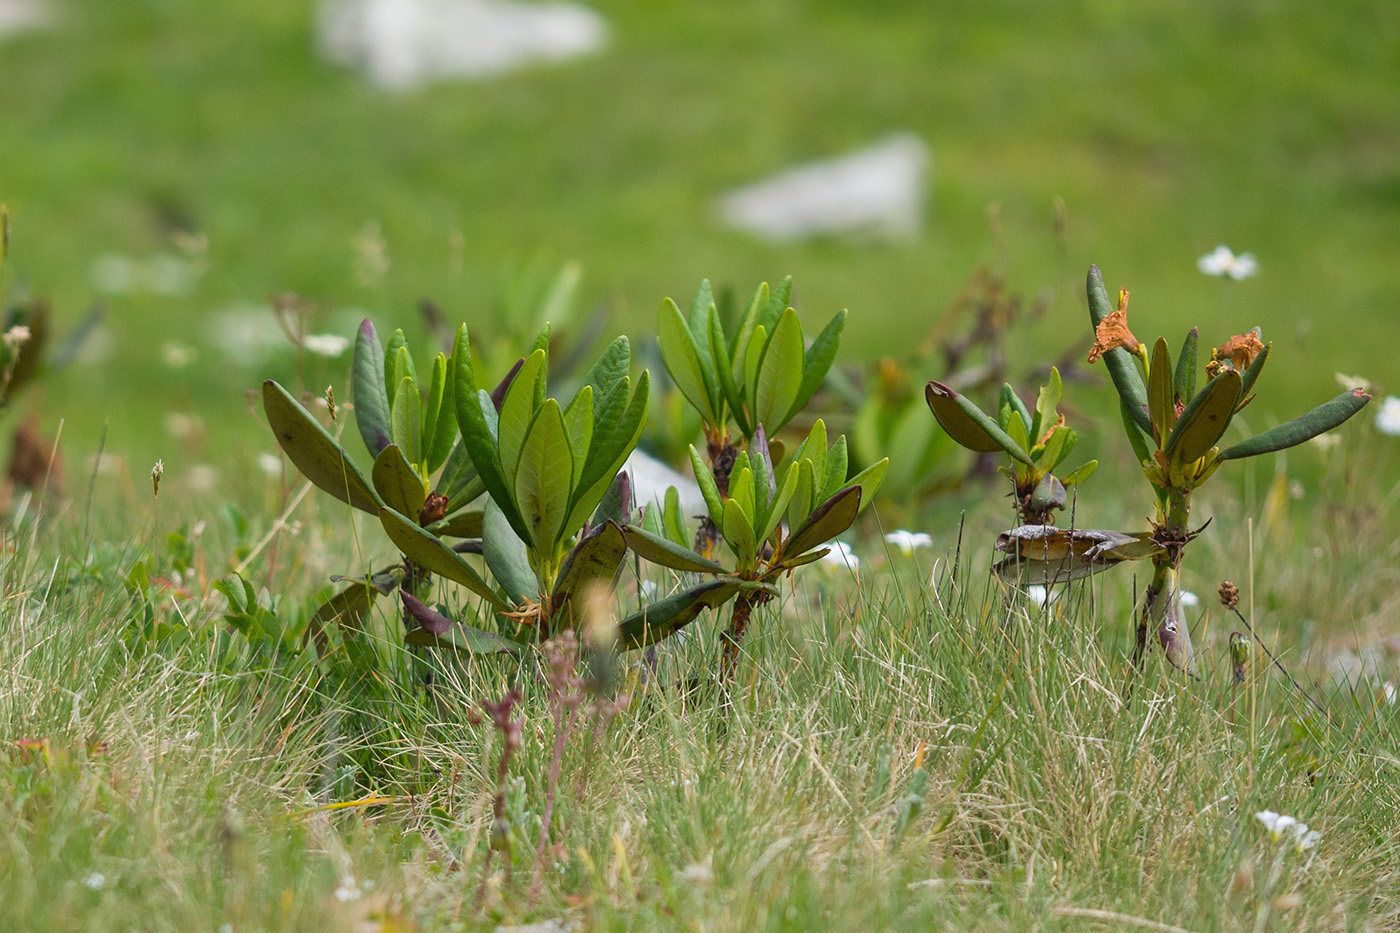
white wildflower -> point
(1276, 823)
(840, 555)
(157, 472)
(17, 336)
(1041, 595)
(1189, 599)
(348, 889)
(1388, 418)
(270, 463)
(95, 881)
(1304, 838)
(327, 345)
(1224, 262)
(907, 541)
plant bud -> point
(1229, 595)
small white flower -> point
(840, 555)
(327, 345)
(348, 890)
(1353, 382)
(1223, 262)
(1041, 595)
(182, 426)
(270, 463)
(1388, 418)
(1327, 441)
(95, 881)
(1304, 838)
(16, 336)
(177, 355)
(907, 541)
(1189, 599)
(648, 588)
(1276, 823)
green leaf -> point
(1045, 402)
(517, 411)
(714, 504)
(1081, 473)
(476, 416)
(671, 522)
(398, 483)
(869, 480)
(368, 392)
(1121, 364)
(664, 617)
(817, 362)
(578, 427)
(724, 372)
(426, 550)
(969, 425)
(616, 438)
(1251, 375)
(593, 561)
(1159, 392)
(398, 363)
(506, 555)
(700, 307)
(544, 476)
(457, 474)
(1134, 433)
(780, 503)
(439, 417)
(465, 523)
(406, 420)
(464, 638)
(314, 452)
(741, 491)
(837, 463)
(682, 359)
(347, 609)
(827, 521)
(1321, 419)
(1011, 402)
(1204, 420)
(616, 504)
(1016, 429)
(612, 367)
(664, 552)
(779, 374)
(737, 530)
(1184, 381)
(803, 495)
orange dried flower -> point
(1240, 350)
(1112, 332)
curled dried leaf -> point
(1239, 351)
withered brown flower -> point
(1112, 332)
(1240, 350)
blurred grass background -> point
(1165, 127)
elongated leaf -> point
(682, 359)
(1184, 380)
(869, 480)
(315, 453)
(1159, 392)
(506, 556)
(664, 617)
(1251, 375)
(662, 551)
(543, 478)
(714, 504)
(428, 618)
(465, 523)
(1011, 402)
(737, 531)
(441, 416)
(700, 306)
(817, 362)
(1017, 430)
(616, 505)
(426, 550)
(460, 637)
(1045, 401)
(672, 524)
(457, 472)
(1320, 420)
(1057, 447)
(476, 417)
(1081, 473)
(398, 483)
(969, 425)
(1121, 366)
(612, 367)
(1205, 418)
(593, 561)
(780, 373)
(781, 499)
(1134, 434)
(804, 495)
(724, 371)
(827, 520)
(498, 394)
(620, 437)
(347, 608)
(406, 420)
(517, 412)
(370, 396)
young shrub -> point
(762, 373)
(772, 523)
(1035, 443)
(1176, 428)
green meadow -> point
(908, 744)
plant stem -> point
(1162, 604)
